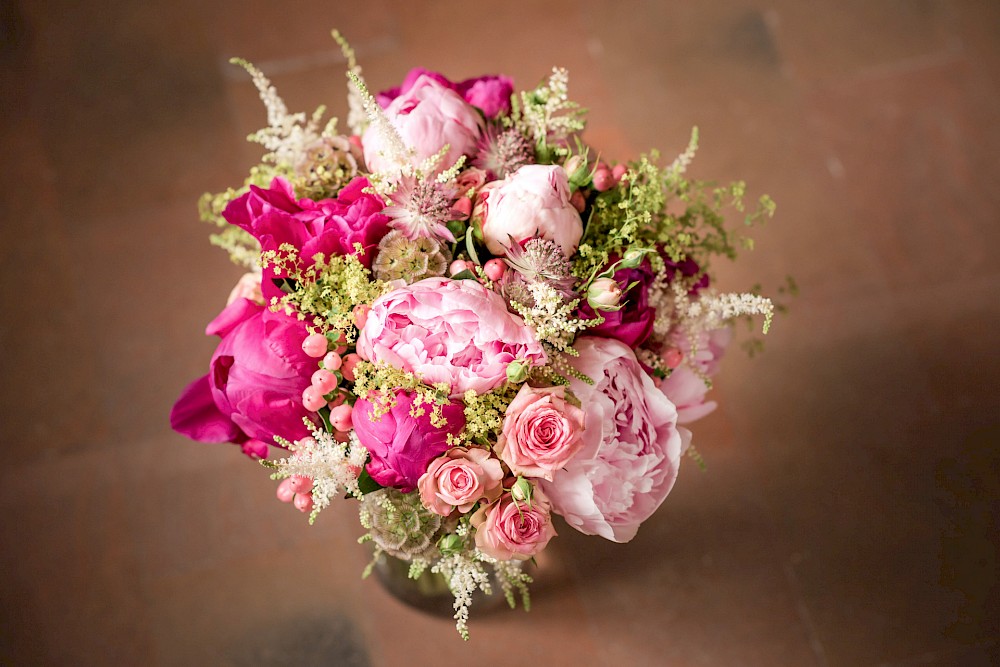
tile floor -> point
(849, 515)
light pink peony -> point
(460, 478)
(451, 331)
(685, 388)
(541, 432)
(427, 116)
(533, 201)
(507, 530)
(631, 449)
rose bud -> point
(604, 294)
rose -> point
(533, 201)
(400, 444)
(634, 323)
(685, 388)
(508, 530)
(451, 331)
(541, 432)
(490, 93)
(604, 294)
(427, 116)
(631, 449)
(254, 388)
(330, 226)
(460, 478)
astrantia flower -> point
(541, 261)
(399, 258)
(422, 208)
(501, 152)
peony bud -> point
(604, 294)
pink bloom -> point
(685, 388)
(631, 449)
(401, 445)
(254, 388)
(490, 93)
(532, 202)
(427, 116)
(330, 226)
(633, 323)
(507, 530)
(248, 287)
(460, 478)
(541, 432)
(451, 331)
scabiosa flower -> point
(422, 208)
(399, 258)
(399, 523)
(325, 166)
(503, 151)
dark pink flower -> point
(490, 93)
(253, 390)
(329, 226)
(401, 445)
(634, 323)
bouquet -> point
(464, 318)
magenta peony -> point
(489, 93)
(460, 478)
(507, 530)
(330, 226)
(531, 202)
(541, 432)
(634, 322)
(254, 388)
(401, 445)
(451, 331)
(428, 116)
(631, 448)
(685, 388)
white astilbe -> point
(395, 149)
(551, 315)
(683, 161)
(512, 578)
(547, 114)
(714, 311)
(333, 466)
(464, 573)
(288, 136)
(357, 119)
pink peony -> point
(531, 202)
(427, 116)
(631, 449)
(685, 388)
(490, 93)
(541, 432)
(451, 331)
(507, 530)
(401, 445)
(330, 226)
(254, 388)
(460, 478)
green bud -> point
(633, 257)
(450, 544)
(521, 491)
(517, 371)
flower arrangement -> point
(463, 318)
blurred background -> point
(849, 513)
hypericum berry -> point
(312, 398)
(460, 265)
(300, 483)
(324, 381)
(360, 313)
(603, 180)
(285, 492)
(332, 361)
(347, 370)
(495, 268)
(303, 502)
(314, 345)
(618, 171)
(673, 357)
(340, 417)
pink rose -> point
(533, 201)
(685, 388)
(541, 432)
(460, 478)
(631, 450)
(427, 116)
(401, 445)
(451, 331)
(507, 530)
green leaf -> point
(464, 275)
(470, 245)
(366, 484)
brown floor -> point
(849, 515)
